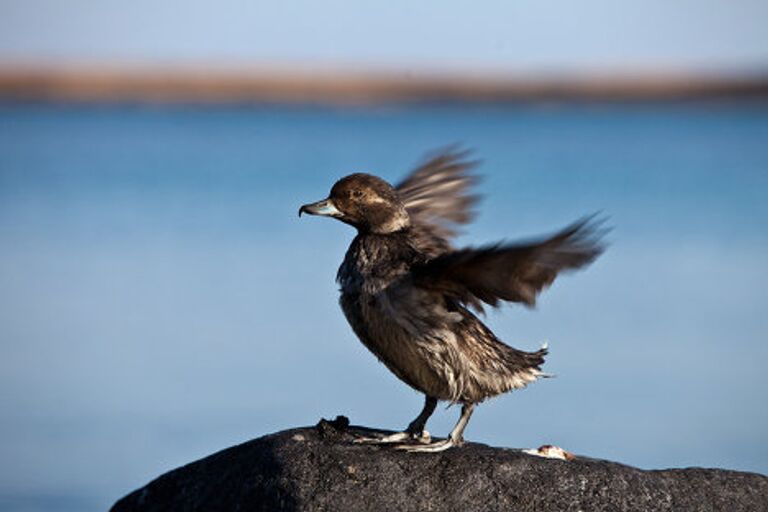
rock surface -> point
(314, 469)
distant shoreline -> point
(219, 86)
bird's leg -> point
(414, 432)
(455, 438)
(416, 427)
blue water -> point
(160, 299)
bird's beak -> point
(325, 208)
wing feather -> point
(437, 195)
(510, 272)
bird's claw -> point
(437, 446)
(398, 437)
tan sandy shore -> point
(189, 85)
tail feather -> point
(522, 368)
(538, 356)
(536, 359)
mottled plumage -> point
(407, 293)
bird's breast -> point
(399, 348)
(407, 328)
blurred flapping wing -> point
(437, 194)
(510, 272)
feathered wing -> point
(437, 196)
(510, 272)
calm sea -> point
(161, 300)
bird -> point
(413, 299)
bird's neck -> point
(387, 221)
(374, 260)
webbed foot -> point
(437, 446)
(398, 437)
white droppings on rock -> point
(550, 452)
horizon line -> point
(296, 85)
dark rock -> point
(321, 469)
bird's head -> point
(366, 202)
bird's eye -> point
(357, 194)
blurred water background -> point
(161, 300)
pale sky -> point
(507, 36)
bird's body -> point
(406, 292)
(435, 346)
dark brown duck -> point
(407, 293)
